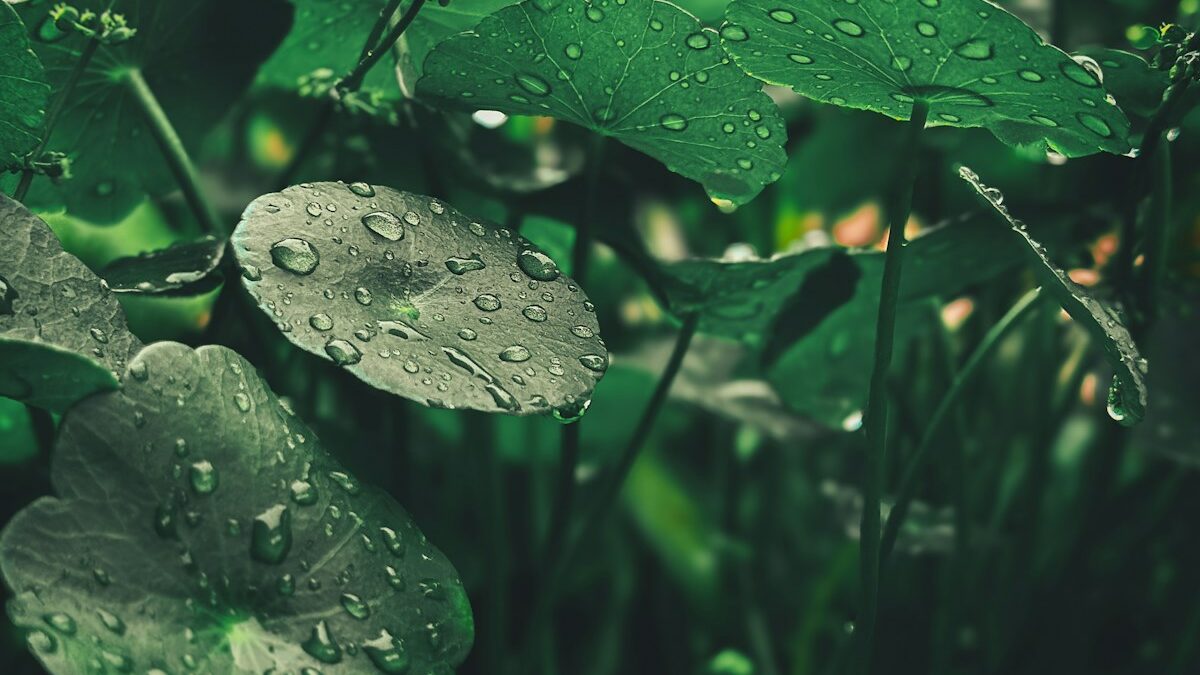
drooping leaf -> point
(188, 268)
(642, 71)
(1127, 397)
(23, 89)
(1137, 86)
(62, 333)
(327, 37)
(420, 300)
(976, 65)
(197, 59)
(200, 527)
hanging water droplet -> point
(295, 255)
(362, 189)
(594, 362)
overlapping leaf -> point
(1127, 398)
(420, 300)
(976, 65)
(23, 89)
(642, 71)
(200, 527)
(197, 57)
(62, 333)
(187, 268)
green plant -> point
(455, 351)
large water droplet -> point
(271, 537)
(573, 50)
(321, 646)
(295, 255)
(1076, 72)
(533, 84)
(673, 121)
(697, 41)
(1094, 124)
(342, 352)
(734, 33)
(61, 622)
(782, 16)
(362, 189)
(355, 606)
(1030, 75)
(487, 302)
(535, 313)
(384, 224)
(514, 354)
(386, 653)
(464, 265)
(594, 362)
(321, 321)
(203, 477)
(849, 27)
(976, 49)
(537, 265)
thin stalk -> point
(493, 630)
(583, 231)
(1159, 237)
(56, 108)
(355, 79)
(381, 23)
(174, 152)
(964, 378)
(900, 206)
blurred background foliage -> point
(734, 552)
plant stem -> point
(174, 152)
(381, 23)
(60, 101)
(42, 424)
(355, 79)
(482, 430)
(965, 376)
(583, 232)
(899, 208)
(1159, 238)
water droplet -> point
(467, 334)
(203, 477)
(61, 622)
(464, 265)
(573, 50)
(342, 352)
(242, 400)
(295, 255)
(1043, 120)
(487, 302)
(849, 27)
(362, 295)
(594, 14)
(321, 321)
(593, 362)
(673, 122)
(303, 492)
(514, 354)
(901, 63)
(535, 313)
(271, 536)
(362, 189)
(1030, 75)
(1094, 124)
(782, 16)
(800, 58)
(926, 29)
(111, 621)
(355, 606)
(384, 224)
(582, 332)
(139, 371)
(537, 265)
(386, 653)
(734, 33)
(975, 49)
(313, 209)
(321, 646)
(533, 84)
(697, 41)
(1087, 73)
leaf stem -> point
(965, 376)
(373, 56)
(583, 231)
(173, 151)
(900, 206)
(60, 101)
(385, 16)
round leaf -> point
(200, 527)
(186, 268)
(62, 333)
(643, 71)
(976, 65)
(23, 89)
(420, 300)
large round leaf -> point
(197, 57)
(200, 527)
(62, 333)
(642, 71)
(23, 89)
(420, 300)
(976, 65)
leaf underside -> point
(644, 72)
(419, 300)
(62, 333)
(244, 548)
(975, 64)
(23, 89)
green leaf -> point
(62, 333)
(200, 526)
(976, 65)
(23, 89)
(186, 268)
(1127, 397)
(1137, 86)
(197, 58)
(417, 299)
(327, 37)
(643, 71)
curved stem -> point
(60, 102)
(899, 208)
(373, 56)
(174, 152)
(964, 377)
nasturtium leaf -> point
(197, 58)
(642, 71)
(1136, 85)
(1127, 397)
(62, 333)
(327, 37)
(23, 89)
(974, 63)
(420, 300)
(186, 268)
(200, 527)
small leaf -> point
(62, 333)
(197, 59)
(187, 268)
(1127, 398)
(644, 72)
(975, 64)
(23, 89)
(420, 300)
(199, 526)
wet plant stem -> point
(373, 56)
(173, 151)
(962, 380)
(60, 102)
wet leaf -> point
(326, 39)
(199, 526)
(645, 73)
(976, 65)
(62, 333)
(1127, 397)
(187, 268)
(1137, 87)
(196, 60)
(23, 89)
(420, 300)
